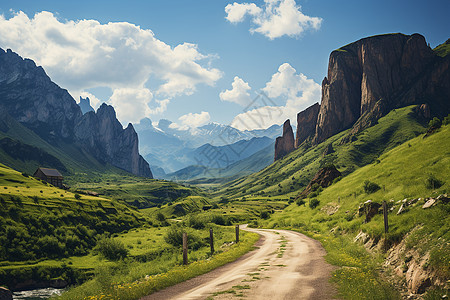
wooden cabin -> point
(51, 176)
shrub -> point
(77, 196)
(264, 215)
(313, 203)
(301, 202)
(112, 249)
(160, 217)
(446, 120)
(435, 122)
(174, 236)
(196, 222)
(370, 187)
(219, 220)
(433, 183)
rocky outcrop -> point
(306, 124)
(324, 177)
(102, 135)
(368, 78)
(85, 105)
(368, 209)
(29, 96)
(285, 143)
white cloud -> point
(84, 54)
(296, 90)
(275, 19)
(238, 94)
(191, 121)
(236, 12)
(131, 104)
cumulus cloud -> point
(131, 104)
(85, 54)
(296, 90)
(236, 12)
(191, 121)
(95, 102)
(275, 19)
(238, 94)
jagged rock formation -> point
(103, 136)
(324, 177)
(285, 143)
(368, 78)
(29, 96)
(85, 105)
(306, 123)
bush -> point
(196, 222)
(313, 203)
(174, 236)
(219, 220)
(77, 196)
(370, 187)
(264, 215)
(446, 120)
(111, 249)
(433, 183)
(435, 122)
(301, 202)
(160, 217)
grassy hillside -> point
(443, 49)
(136, 191)
(292, 173)
(22, 149)
(40, 222)
(404, 172)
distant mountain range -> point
(213, 145)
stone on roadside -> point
(429, 203)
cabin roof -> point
(50, 172)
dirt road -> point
(286, 265)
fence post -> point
(385, 213)
(211, 240)
(237, 233)
(386, 224)
(185, 249)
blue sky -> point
(185, 86)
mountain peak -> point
(85, 105)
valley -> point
(309, 206)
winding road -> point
(285, 265)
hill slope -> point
(292, 173)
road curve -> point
(285, 265)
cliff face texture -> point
(29, 96)
(306, 123)
(285, 143)
(368, 78)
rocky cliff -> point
(306, 123)
(285, 143)
(29, 96)
(368, 78)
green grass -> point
(137, 191)
(41, 226)
(285, 177)
(443, 49)
(132, 279)
(402, 173)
